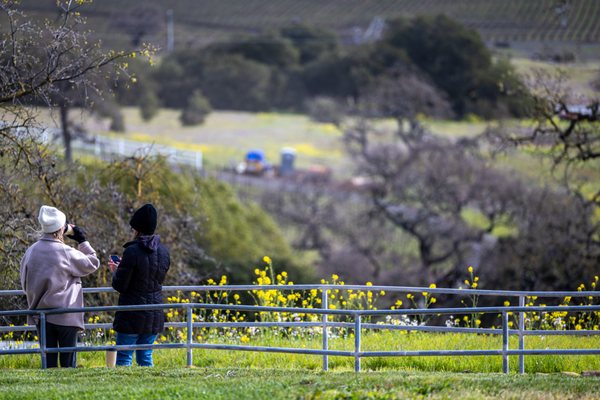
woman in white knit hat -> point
(51, 275)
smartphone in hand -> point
(114, 263)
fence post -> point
(198, 160)
(189, 336)
(504, 342)
(325, 306)
(357, 331)
(521, 335)
(43, 340)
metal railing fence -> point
(357, 325)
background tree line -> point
(286, 68)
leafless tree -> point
(39, 60)
(334, 220)
(432, 188)
(558, 225)
(566, 124)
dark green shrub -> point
(197, 109)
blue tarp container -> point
(255, 156)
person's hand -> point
(112, 265)
(78, 234)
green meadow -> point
(273, 383)
(371, 341)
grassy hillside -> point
(197, 23)
(226, 136)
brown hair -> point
(58, 235)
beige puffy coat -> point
(51, 275)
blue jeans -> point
(142, 357)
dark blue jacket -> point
(139, 279)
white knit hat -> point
(51, 219)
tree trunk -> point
(66, 133)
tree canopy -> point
(289, 66)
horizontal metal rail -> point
(292, 310)
(259, 324)
(328, 287)
(325, 324)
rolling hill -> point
(525, 25)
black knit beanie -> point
(144, 219)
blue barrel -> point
(288, 155)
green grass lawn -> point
(236, 383)
(372, 341)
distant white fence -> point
(107, 148)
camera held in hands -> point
(68, 229)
